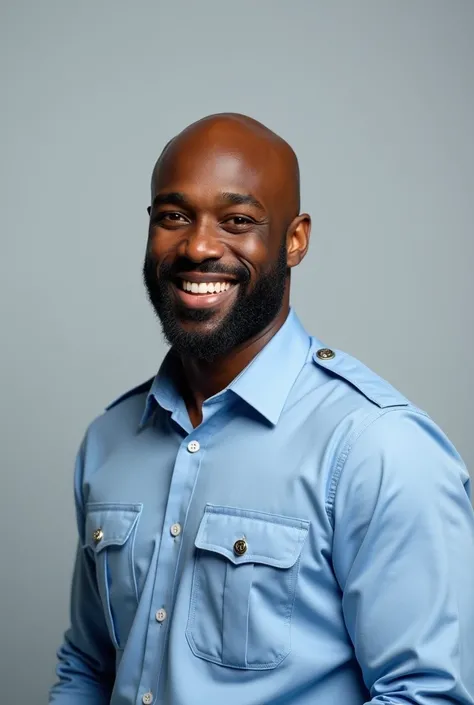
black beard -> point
(251, 313)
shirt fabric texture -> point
(311, 542)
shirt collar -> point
(264, 384)
(163, 391)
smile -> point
(206, 287)
(204, 294)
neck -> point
(205, 379)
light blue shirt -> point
(310, 543)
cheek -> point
(253, 252)
(161, 245)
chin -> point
(200, 328)
(201, 318)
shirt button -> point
(175, 530)
(193, 446)
(160, 616)
(240, 547)
(147, 698)
(98, 535)
(326, 354)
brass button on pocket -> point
(98, 535)
(240, 547)
(326, 354)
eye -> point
(170, 218)
(238, 222)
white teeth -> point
(206, 287)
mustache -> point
(182, 265)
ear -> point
(148, 210)
(297, 239)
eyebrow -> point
(176, 198)
(240, 199)
(173, 198)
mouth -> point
(194, 293)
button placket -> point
(187, 461)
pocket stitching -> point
(192, 614)
(213, 659)
(292, 573)
(93, 507)
(101, 558)
(107, 608)
(131, 555)
(300, 526)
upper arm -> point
(86, 657)
(404, 558)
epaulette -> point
(144, 387)
(373, 387)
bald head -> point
(258, 149)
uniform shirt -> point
(311, 542)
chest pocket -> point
(244, 584)
(110, 534)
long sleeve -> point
(86, 658)
(404, 558)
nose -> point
(201, 244)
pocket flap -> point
(270, 539)
(109, 524)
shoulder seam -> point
(347, 447)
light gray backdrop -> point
(376, 96)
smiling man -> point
(224, 230)
(266, 521)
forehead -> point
(202, 166)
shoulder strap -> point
(376, 389)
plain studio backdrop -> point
(376, 96)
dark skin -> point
(227, 189)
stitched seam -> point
(291, 581)
(276, 519)
(341, 460)
(226, 574)
(247, 622)
(92, 506)
(192, 606)
(253, 557)
(108, 606)
(131, 556)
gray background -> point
(377, 99)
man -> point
(265, 522)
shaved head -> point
(225, 231)
(268, 149)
